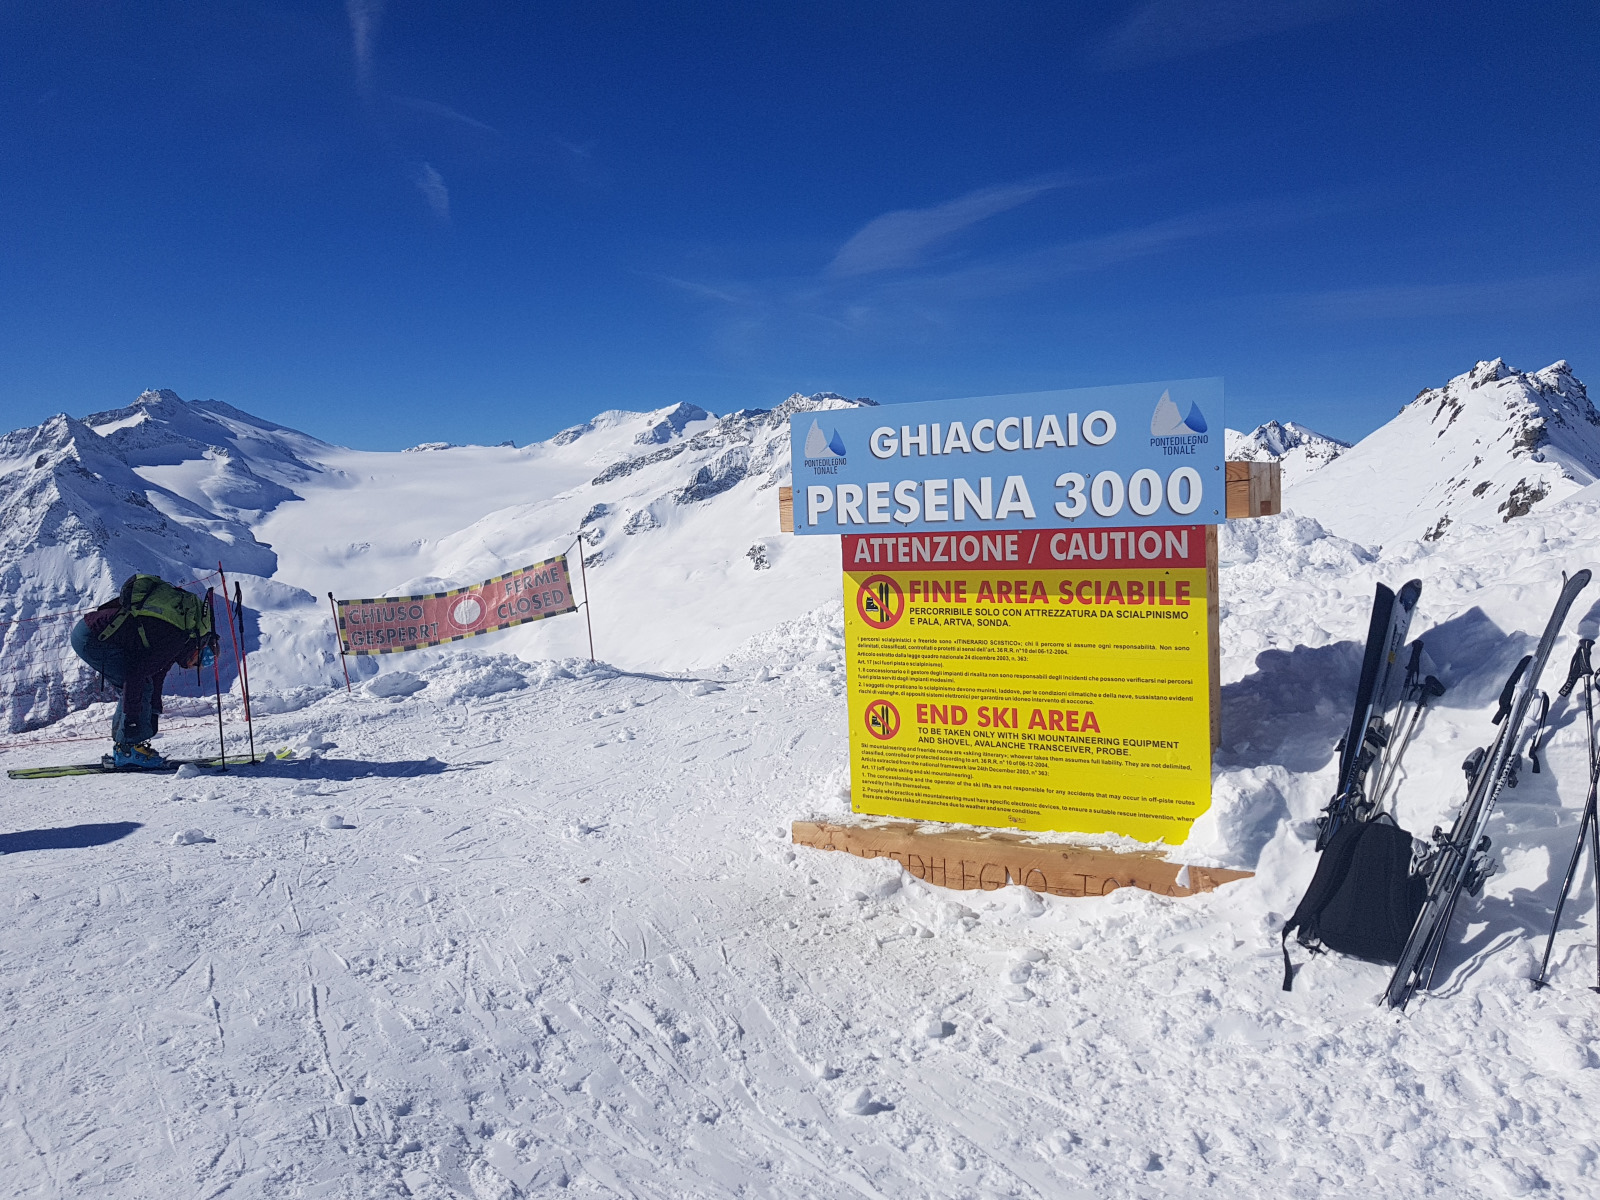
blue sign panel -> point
(1134, 454)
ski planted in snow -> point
(99, 768)
(1368, 736)
(1460, 860)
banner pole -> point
(216, 679)
(583, 567)
(334, 608)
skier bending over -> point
(133, 641)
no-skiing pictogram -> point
(880, 602)
(883, 720)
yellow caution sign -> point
(1047, 680)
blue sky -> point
(387, 223)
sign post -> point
(1030, 607)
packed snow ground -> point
(517, 928)
(511, 924)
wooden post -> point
(785, 510)
(1255, 489)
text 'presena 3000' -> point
(1135, 454)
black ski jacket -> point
(147, 658)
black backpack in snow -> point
(1363, 900)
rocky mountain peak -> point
(1488, 446)
(1300, 450)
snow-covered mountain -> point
(1299, 450)
(1490, 446)
(76, 518)
(211, 453)
(676, 497)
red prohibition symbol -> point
(880, 601)
(883, 720)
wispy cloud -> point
(1038, 266)
(1418, 301)
(431, 184)
(364, 17)
(1159, 30)
(443, 112)
(731, 294)
(900, 239)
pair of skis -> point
(1371, 741)
(1460, 860)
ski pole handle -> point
(1509, 692)
(1580, 665)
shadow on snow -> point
(66, 837)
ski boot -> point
(126, 756)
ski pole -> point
(236, 636)
(233, 637)
(1594, 857)
(244, 667)
(216, 677)
(1581, 669)
(340, 639)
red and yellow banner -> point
(1042, 680)
(394, 623)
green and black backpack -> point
(147, 597)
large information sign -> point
(1145, 454)
(1039, 679)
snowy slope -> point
(1300, 450)
(535, 929)
(210, 452)
(1488, 447)
(678, 510)
(676, 496)
(556, 941)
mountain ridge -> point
(1488, 446)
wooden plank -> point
(785, 510)
(1269, 489)
(968, 859)
(1239, 498)
(1254, 489)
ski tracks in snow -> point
(585, 959)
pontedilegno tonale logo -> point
(1176, 431)
(824, 451)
